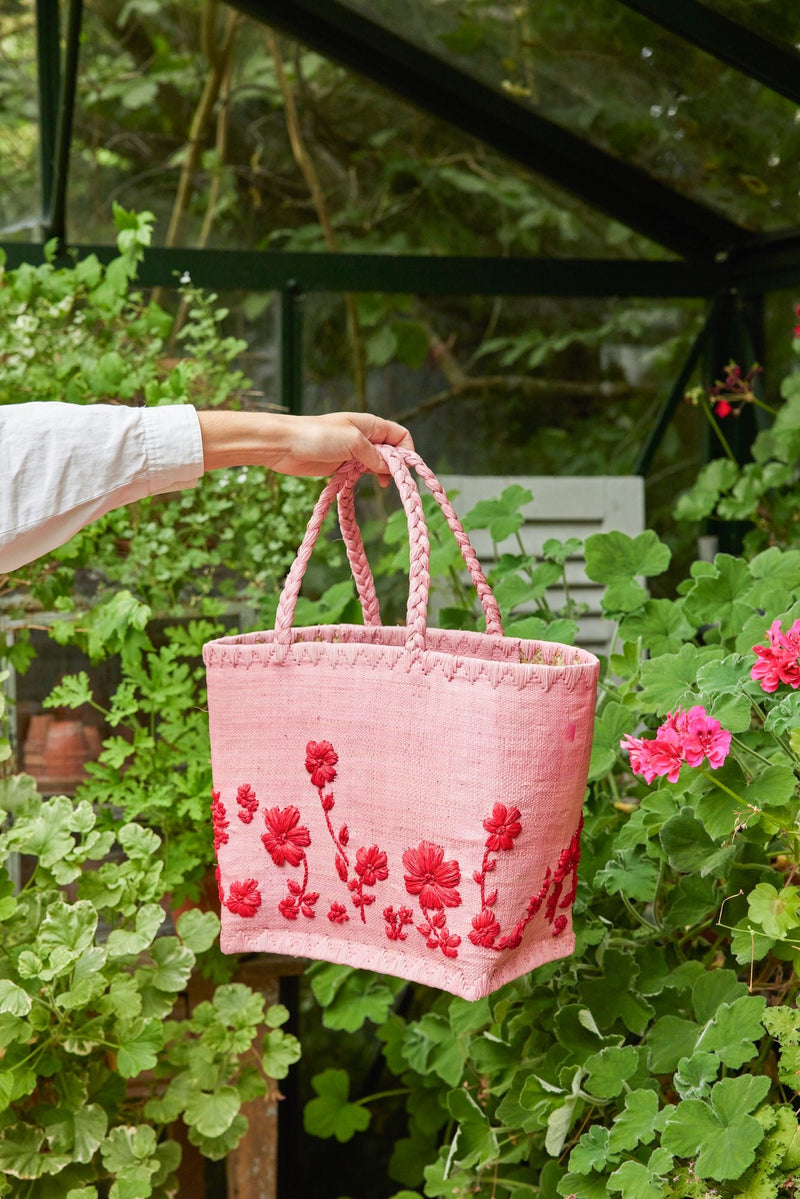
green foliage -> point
(661, 1060)
(89, 978)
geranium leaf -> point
(331, 1114)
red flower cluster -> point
(683, 737)
(778, 662)
(248, 804)
(219, 820)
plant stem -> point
(720, 435)
(382, 1095)
(722, 787)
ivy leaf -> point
(721, 1133)
(670, 681)
(688, 846)
(13, 999)
(696, 1074)
(614, 557)
(128, 1152)
(670, 1039)
(630, 874)
(362, 996)
(636, 1124)
(212, 1112)
(140, 844)
(775, 911)
(68, 926)
(712, 989)
(20, 1151)
(331, 1114)
(772, 787)
(736, 1030)
(198, 930)
(609, 1070)
(785, 716)
(591, 1151)
(660, 625)
(174, 964)
(635, 1181)
(141, 1042)
(89, 1129)
(721, 598)
(281, 1050)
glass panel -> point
(778, 20)
(628, 86)
(510, 386)
(19, 145)
(381, 175)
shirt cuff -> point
(173, 446)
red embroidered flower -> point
(284, 841)
(485, 928)
(338, 913)
(371, 865)
(430, 877)
(244, 898)
(503, 826)
(246, 799)
(321, 758)
(396, 922)
(219, 820)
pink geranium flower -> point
(430, 877)
(778, 662)
(705, 737)
(285, 840)
(684, 736)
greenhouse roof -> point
(657, 139)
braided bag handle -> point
(343, 483)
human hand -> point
(299, 445)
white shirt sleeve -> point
(63, 465)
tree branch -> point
(309, 172)
(485, 386)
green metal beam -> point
(774, 66)
(677, 392)
(412, 274)
(56, 225)
(48, 55)
(607, 183)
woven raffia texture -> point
(402, 799)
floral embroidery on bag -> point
(338, 913)
(248, 804)
(244, 899)
(286, 840)
(371, 864)
(219, 821)
(396, 922)
(434, 882)
(503, 827)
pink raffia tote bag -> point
(404, 799)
